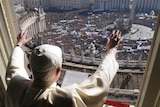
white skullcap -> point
(44, 57)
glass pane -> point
(81, 27)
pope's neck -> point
(43, 84)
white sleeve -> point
(93, 91)
(105, 72)
(109, 66)
(16, 64)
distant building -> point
(19, 2)
(31, 4)
(113, 5)
(46, 4)
(148, 5)
(59, 4)
(101, 5)
(70, 4)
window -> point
(150, 86)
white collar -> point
(54, 84)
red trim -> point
(116, 104)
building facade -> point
(141, 5)
(148, 5)
(69, 4)
(111, 4)
(59, 4)
(32, 4)
(103, 5)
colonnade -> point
(34, 22)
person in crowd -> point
(46, 63)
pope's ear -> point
(58, 71)
(57, 74)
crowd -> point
(82, 34)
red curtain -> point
(116, 104)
